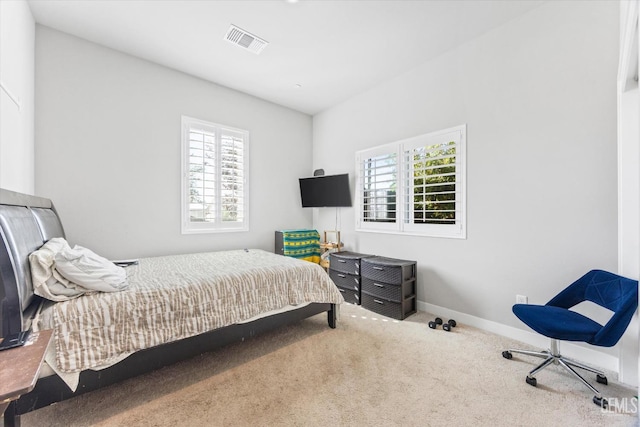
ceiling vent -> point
(240, 37)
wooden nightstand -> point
(327, 247)
(20, 366)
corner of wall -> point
(17, 95)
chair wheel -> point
(601, 402)
(438, 321)
(531, 381)
(602, 379)
(507, 354)
(433, 325)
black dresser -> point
(344, 270)
(388, 286)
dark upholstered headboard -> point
(26, 223)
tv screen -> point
(325, 191)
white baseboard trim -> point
(588, 356)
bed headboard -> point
(26, 223)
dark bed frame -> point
(26, 223)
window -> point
(414, 186)
(215, 196)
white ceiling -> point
(332, 49)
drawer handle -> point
(355, 279)
(341, 290)
(378, 285)
(378, 301)
(342, 261)
(378, 268)
(342, 275)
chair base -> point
(553, 356)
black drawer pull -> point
(378, 268)
(378, 301)
(342, 275)
(342, 261)
(378, 285)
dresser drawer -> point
(389, 291)
(346, 262)
(350, 295)
(388, 270)
(395, 310)
(345, 280)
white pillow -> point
(47, 282)
(89, 270)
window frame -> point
(404, 222)
(217, 226)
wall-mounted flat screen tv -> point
(325, 191)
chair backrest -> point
(616, 293)
(610, 290)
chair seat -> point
(557, 323)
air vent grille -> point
(244, 39)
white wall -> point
(629, 175)
(108, 150)
(17, 36)
(538, 95)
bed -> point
(175, 307)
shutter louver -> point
(379, 188)
(202, 178)
(432, 184)
(232, 177)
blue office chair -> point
(556, 321)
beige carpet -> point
(370, 371)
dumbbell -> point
(450, 324)
(446, 326)
(434, 323)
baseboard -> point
(588, 356)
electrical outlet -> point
(522, 299)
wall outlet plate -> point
(522, 299)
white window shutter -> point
(215, 177)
